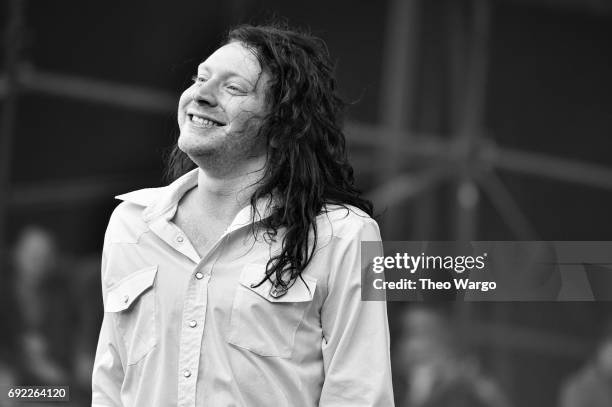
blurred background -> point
(471, 120)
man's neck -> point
(223, 194)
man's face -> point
(221, 112)
(35, 255)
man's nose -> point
(204, 93)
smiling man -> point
(239, 283)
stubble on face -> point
(237, 149)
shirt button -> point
(199, 275)
(193, 323)
(126, 298)
(187, 373)
(180, 239)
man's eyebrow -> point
(226, 73)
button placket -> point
(191, 337)
(194, 314)
(174, 236)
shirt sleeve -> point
(108, 372)
(355, 334)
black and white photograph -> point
(254, 203)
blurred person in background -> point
(432, 371)
(44, 318)
(592, 385)
(239, 283)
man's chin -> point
(194, 148)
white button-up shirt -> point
(185, 330)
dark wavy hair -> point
(306, 165)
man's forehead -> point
(233, 58)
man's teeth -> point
(200, 121)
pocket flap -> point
(123, 294)
(252, 274)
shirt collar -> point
(157, 201)
(164, 200)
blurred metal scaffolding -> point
(470, 158)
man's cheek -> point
(181, 114)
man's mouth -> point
(203, 122)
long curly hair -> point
(306, 165)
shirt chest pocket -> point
(132, 302)
(263, 324)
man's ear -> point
(273, 143)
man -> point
(239, 283)
(434, 370)
(592, 385)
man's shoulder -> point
(127, 222)
(345, 221)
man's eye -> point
(235, 88)
(198, 79)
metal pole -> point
(12, 49)
(468, 114)
(397, 89)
